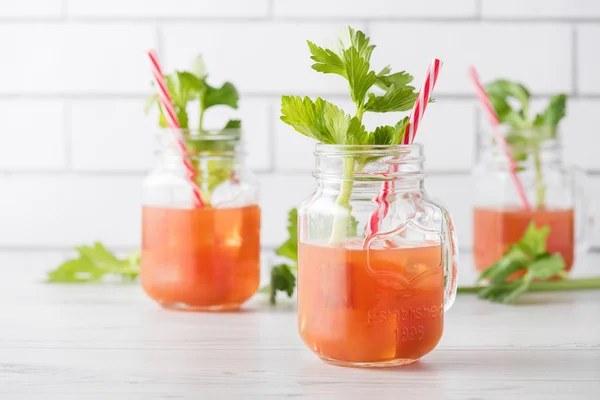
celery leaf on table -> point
(283, 279)
(93, 264)
(529, 259)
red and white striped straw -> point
(416, 115)
(173, 122)
(422, 101)
(484, 99)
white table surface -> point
(111, 342)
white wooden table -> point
(110, 342)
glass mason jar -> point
(200, 258)
(555, 194)
(373, 299)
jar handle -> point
(584, 211)
(449, 256)
(449, 249)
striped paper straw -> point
(173, 122)
(484, 99)
(383, 205)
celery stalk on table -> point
(527, 267)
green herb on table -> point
(531, 266)
(186, 89)
(95, 264)
(526, 132)
(283, 279)
(370, 92)
(283, 276)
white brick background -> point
(73, 78)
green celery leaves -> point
(390, 134)
(506, 89)
(394, 99)
(186, 87)
(225, 95)
(283, 277)
(525, 134)
(93, 264)
(529, 259)
(399, 79)
(329, 124)
(553, 114)
(358, 73)
(326, 61)
(289, 249)
(503, 92)
(321, 121)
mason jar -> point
(555, 196)
(200, 257)
(377, 258)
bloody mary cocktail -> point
(200, 259)
(382, 306)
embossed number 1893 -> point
(410, 333)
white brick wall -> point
(588, 79)
(539, 54)
(73, 77)
(540, 9)
(27, 144)
(160, 8)
(30, 8)
(265, 57)
(374, 9)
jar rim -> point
(364, 149)
(223, 143)
(539, 134)
(204, 135)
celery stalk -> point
(342, 221)
(548, 286)
(539, 177)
